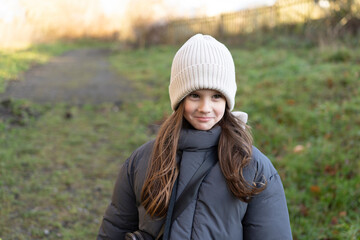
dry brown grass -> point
(38, 20)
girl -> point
(163, 191)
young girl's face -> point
(204, 108)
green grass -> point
(57, 172)
(58, 164)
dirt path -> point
(82, 76)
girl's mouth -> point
(203, 119)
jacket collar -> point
(192, 140)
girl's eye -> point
(217, 96)
(194, 95)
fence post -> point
(221, 27)
(277, 14)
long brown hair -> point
(162, 171)
(234, 152)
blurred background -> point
(84, 83)
(166, 21)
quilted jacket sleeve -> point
(267, 215)
(121, 215)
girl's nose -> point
(204, 106)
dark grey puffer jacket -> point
(216, 213)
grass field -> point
(58, 163)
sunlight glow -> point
(191, 8)
(10, 10)
(112, 7)
(324, 3)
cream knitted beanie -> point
(202, 63)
